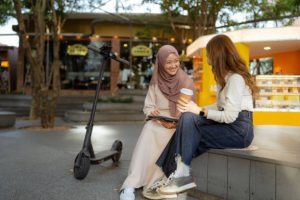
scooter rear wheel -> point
(117, 146)
(81, 170)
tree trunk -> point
(35, 100)
(55, 65)
(24, 37)
(39, 104)
(44, 108)
(55, 91)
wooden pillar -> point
(20, 67)
(114, 67)
(12, 57)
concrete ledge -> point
(140, 99)
(115, 106)
(270, 172)
(135, 92)
(7, 119)
(262, 155)
(83, 116)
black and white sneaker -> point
(177, 185)
(152, 191)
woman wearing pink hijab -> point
(167, 80)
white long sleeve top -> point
(155, 99)
(235, 97)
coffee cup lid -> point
(186, 91)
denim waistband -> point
(245, 113)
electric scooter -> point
(86, 156)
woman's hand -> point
(155, 112)
(188, 106)
(168, 125)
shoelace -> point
(162, 182)
(157, 184)
(169, 179)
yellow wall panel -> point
(276, 118)
(207, 95)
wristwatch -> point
(201, 113)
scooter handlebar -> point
(93, 48)
(110, 55)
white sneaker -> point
(153, 194)
(177, 185)
(127, 194)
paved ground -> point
(37, 164)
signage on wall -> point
(4, 64)
(77, 50)
(141, 50)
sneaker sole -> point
(180, 189)
(163, 196)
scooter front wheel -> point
(81, 166)
(117, 146)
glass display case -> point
(278, 93)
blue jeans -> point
(195, 135)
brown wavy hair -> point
(224, 57)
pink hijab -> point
(170, 85)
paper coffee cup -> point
(186, 94)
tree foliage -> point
(6, 10)
(281, 12)
(205, 16)
(202, 15)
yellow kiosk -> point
(278, 101)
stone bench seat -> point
(270, 171)
(262, 155)
(7, 119)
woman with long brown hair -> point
(226, 124)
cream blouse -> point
(235, 97)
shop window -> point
(4, 71)
(140, 72)
(261, 66)
(4, 80)
(80, 66)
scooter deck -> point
(103, 156)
